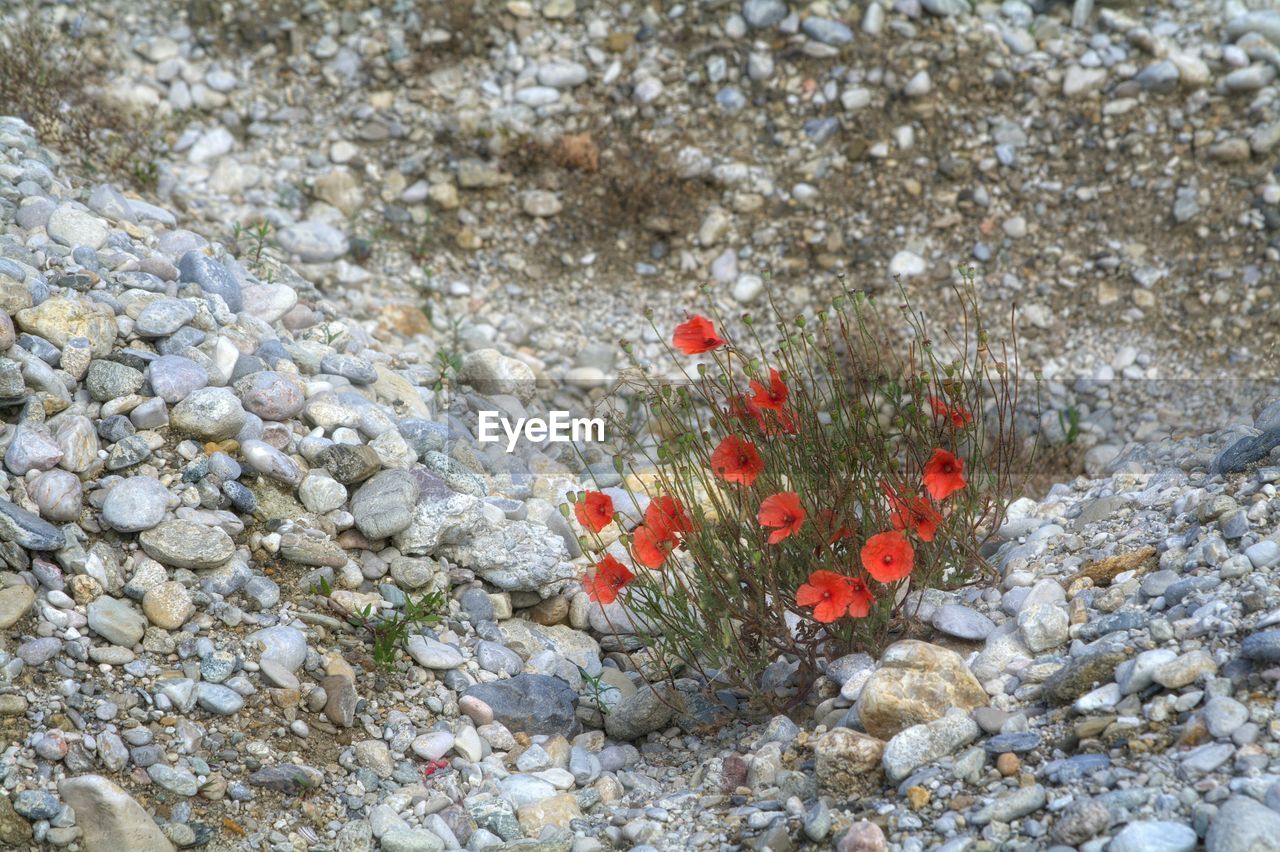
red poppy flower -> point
(666, 516)
(888, 556)
(957, 413)
(915, 513)
(828, 593)
(651, 547)
(608, 578)
(783, 512)
(860, 605)
(696, 335)
(736, 460)
(770, 421)
(943, 475)
(772, 397)
(594, 511)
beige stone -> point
(844, 758)
(915, 683)
(110, 817)
(557, 811)
(58, 320)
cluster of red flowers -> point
(887, 557)
(665, 521)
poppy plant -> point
(827, 524)
(912, 513)
(888, 556)
(772, 397)
(696, 335)
(861, 598)
(783, 513)
(957, 413)
(607, 579)
(666, 515)
(828, 593)
(594, 511)
(736, 460)
(651, 547)
(943, 475)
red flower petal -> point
(828, 593)
(915, 513)
(861, 600)
(607, 579)
(773, 397)
(736, 460)
(594, 511)
(666, 515)
(783, 513)
(888, 557)
(696, 335)
(956, 413)
(651, 547)
(943, 475)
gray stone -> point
(211, 414)
(1154, 836)
(827, 31)
(763, 13)
(108, 380)
(1244, 825)
(384, 505)
(313, 241)
(219, 699)
(962, 622)
(185, 544)
(1223, 715)
(643, 712)
(116, 621)
(173, 378)
(211, 276)
(163, 317)
(136, 504)
(920, 744)
(1263, 646)
(1013, 805)
(177, 781)
(27, 530)
(531, 703)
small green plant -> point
(386, 631)
(597, 687)
(257, 236)
(1069, 421)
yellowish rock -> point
(557, 811)
(58, 320)
(916, 683)
(844, 758)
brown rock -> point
(916, 683)
(341, 698)
(1008, 764)
(550, 611)
(918, 797)
(844, 758)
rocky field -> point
(262, 264)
